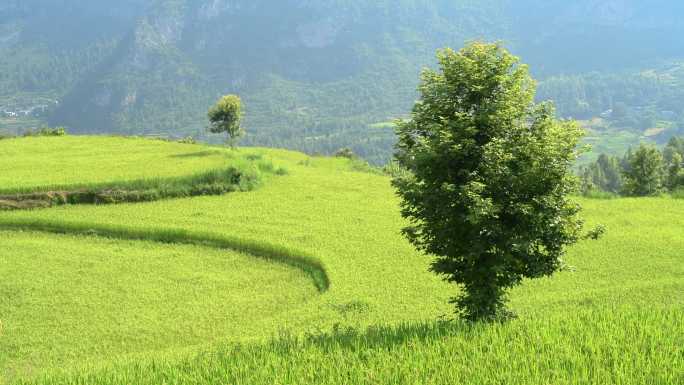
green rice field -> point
(304, 280)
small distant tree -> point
(225, 117)
(644, 175)
(489, 173)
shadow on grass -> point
(378, 336)
(224, 364)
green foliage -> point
(644, 174)
(673, 155)
(633, 99)
(188, 140)
(345, 152)
(604, 175)
(678, 193)
(394, 170)
(314, 74)
(226, 116)
(55, 131)
(675, 171)
(46, 131)
(490, 177)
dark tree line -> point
(634, 99)
(641, 172)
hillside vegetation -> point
(318, 75)
(226, 289)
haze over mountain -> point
(318, 75)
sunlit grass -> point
(617, 345)
(613, 318)
(68, 299)
(58, 163)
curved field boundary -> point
(310, 265)
(213, 182)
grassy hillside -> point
(614, 318)
(39, 163)
(67, 298)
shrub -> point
(360, 165)
(47, 131)
(394, 169)
(345, 152)
(187, 140)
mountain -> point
(315, 75)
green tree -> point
(645, 174)
(588, 179)
(610, 167)
(675, 172)
(605, 175)
(225, 116)
(489, 177)
(673, 155)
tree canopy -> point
(226, 116)
(644, 174)
(489, 177)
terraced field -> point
(76, 297)
(305, 279)
(35, 163)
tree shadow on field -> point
(355, 339)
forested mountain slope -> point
(315, 75)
